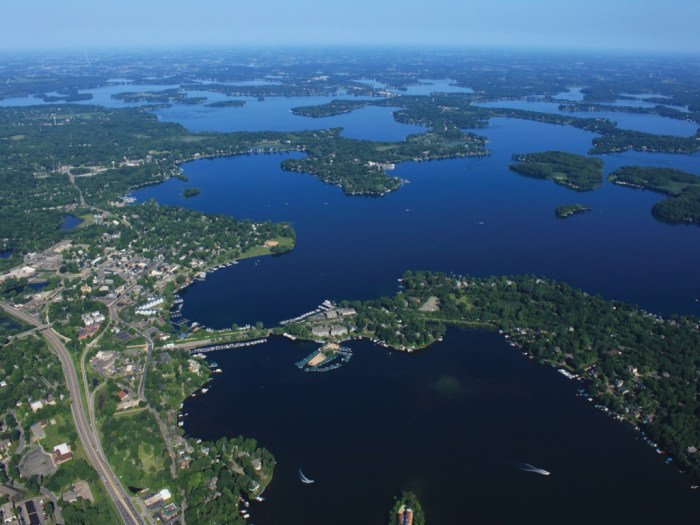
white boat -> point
(303, 478)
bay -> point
(455, 423)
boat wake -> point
(303, 478)
(529, 468)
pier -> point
(323, 307)
(228, 346)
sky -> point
(644, 25)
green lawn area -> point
(285, 243)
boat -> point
(304, 479)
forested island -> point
(407, 509)
(226, 104)
(640, 366)
(167, 96)
(190, 192)
(567, 169)
(567, 210)
(683, 188)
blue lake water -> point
(431, 85)
(469, 216)
(274, 114)
(5, 254)
(70, 222)
(453, 423)
(647, 123)
(100, 96)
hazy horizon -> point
(597, 25)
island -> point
(567, 169)
(407, 510)
(567, 210)
(226, 104)
(174, 95)
(190, 192)
(683, 188)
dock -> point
(317, 362)
(227, 346)
(323, 307)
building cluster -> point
(329, 331)
(117, 364)
(41, 403)
(25, 272)
(160, 505)
(149, 307)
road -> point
(87, 434)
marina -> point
(328, 357)
(323, 307)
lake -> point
(470, 216)
(644, 122)
(70, 222)
(455, 424)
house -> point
(122, 395)
(338, 331)
(36, 405)
(61, 454)
(169, 512)
(157, 498)
(319, 331)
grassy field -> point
(135, 448)
(285, 244)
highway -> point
(87, 434)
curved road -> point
(86, 433)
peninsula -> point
(683, 190)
